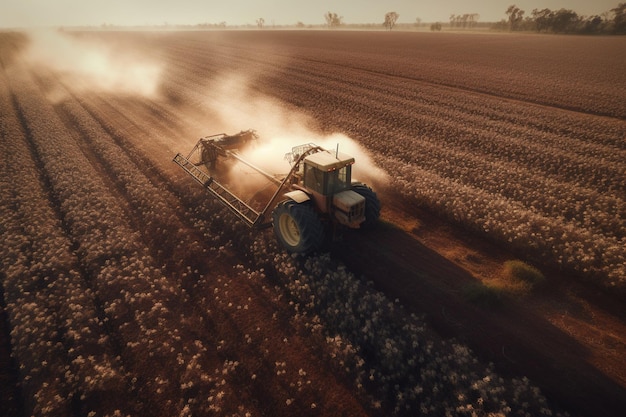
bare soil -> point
(10, 401)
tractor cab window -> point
(339, 180)
(314, 178)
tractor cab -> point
(328, 177)
(326, 173)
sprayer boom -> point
(246, 213)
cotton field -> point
(129, 291)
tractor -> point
(316, 195)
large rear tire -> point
(297, 227)
(372, 206)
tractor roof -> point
(329, 161)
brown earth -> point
(10, 404)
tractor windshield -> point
(327, 182)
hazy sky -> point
(21, 13)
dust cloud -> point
(240, 107)
(86, 64)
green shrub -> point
(521, 271)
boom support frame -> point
(253, 218)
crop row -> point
(367, 338)
(546, 182)
(541, 238)
(341, 312)
(66, 357)
(589, 81)
(389, 354)
(142, 306)
(216, 305)
(583, 74)
(530, 188)
(167, 351)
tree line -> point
(565, 21)
(467, 20)
(540, 20)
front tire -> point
(372, 206)
(297, 227)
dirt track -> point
(405, 261)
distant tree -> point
(619, 21)
(390, 20)
(333, 20)
(565, 21)
(542, 19)
(453, 20)
(418, 22)
(435, 27)
(516, 16)
(260, 22)
(473, 19)
(300, 24)
(593, 24)
(464, 20)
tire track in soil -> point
(11, 396)
(261, 311)
(427, 283)
(11, 401)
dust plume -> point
(87, 64)
(241, 107)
